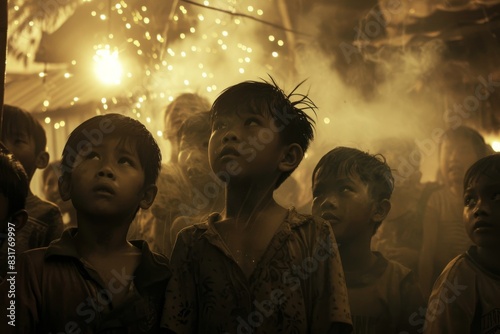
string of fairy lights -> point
(205, 47)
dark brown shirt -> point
(58, 292)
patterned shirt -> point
(297, 286)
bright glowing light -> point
(159, 133)
(496, 146)
(47, 120)
(107, 65)
(46, 103)
(275, 54)
(326, 120)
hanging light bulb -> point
(107, 65)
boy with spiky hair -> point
(466, 296)
(257, 266)
(25, 137)
(92, 279)
(352, 191)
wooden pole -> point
(3, 56)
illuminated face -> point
(245, 145)
(179, 111)
(51, 186)
(193, 154)
(346, 203)
(455, 158)
(482, 211)
(107, 180)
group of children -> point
(252, 266)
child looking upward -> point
(466, 296)
(257, 266)
(92, 279)
(352, 190)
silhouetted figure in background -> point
(177, 111)
(205, 193)
(444, 236)
(50, 188)
(25, 137)
(399, 238)
(14, 188)
(352, 191)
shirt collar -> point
(152, 268)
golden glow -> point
(496, 146)
(107, 65)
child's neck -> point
(356, 254)
(103, 237)
(490, 259)
(243, 203)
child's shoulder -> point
(303, 220)
(461, 265)
(38, 207)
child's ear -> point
(292, 156)
(65, 187)
(148, 196)
(382, 209)
(19, 219)
(42, 160)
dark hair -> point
(13, 181)
(469, 134)
(267, 98)
(371, 169)
(17, 119)
(489, 166)
(95, 129)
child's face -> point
(193, 153)
(482, 211)
(106, 180)
(455, 158)
(345, 202)
(50, 186)
(181, 109)
(244, 144)
(22, 145)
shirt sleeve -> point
(452, 302)
(330, 309)
(180, 310)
